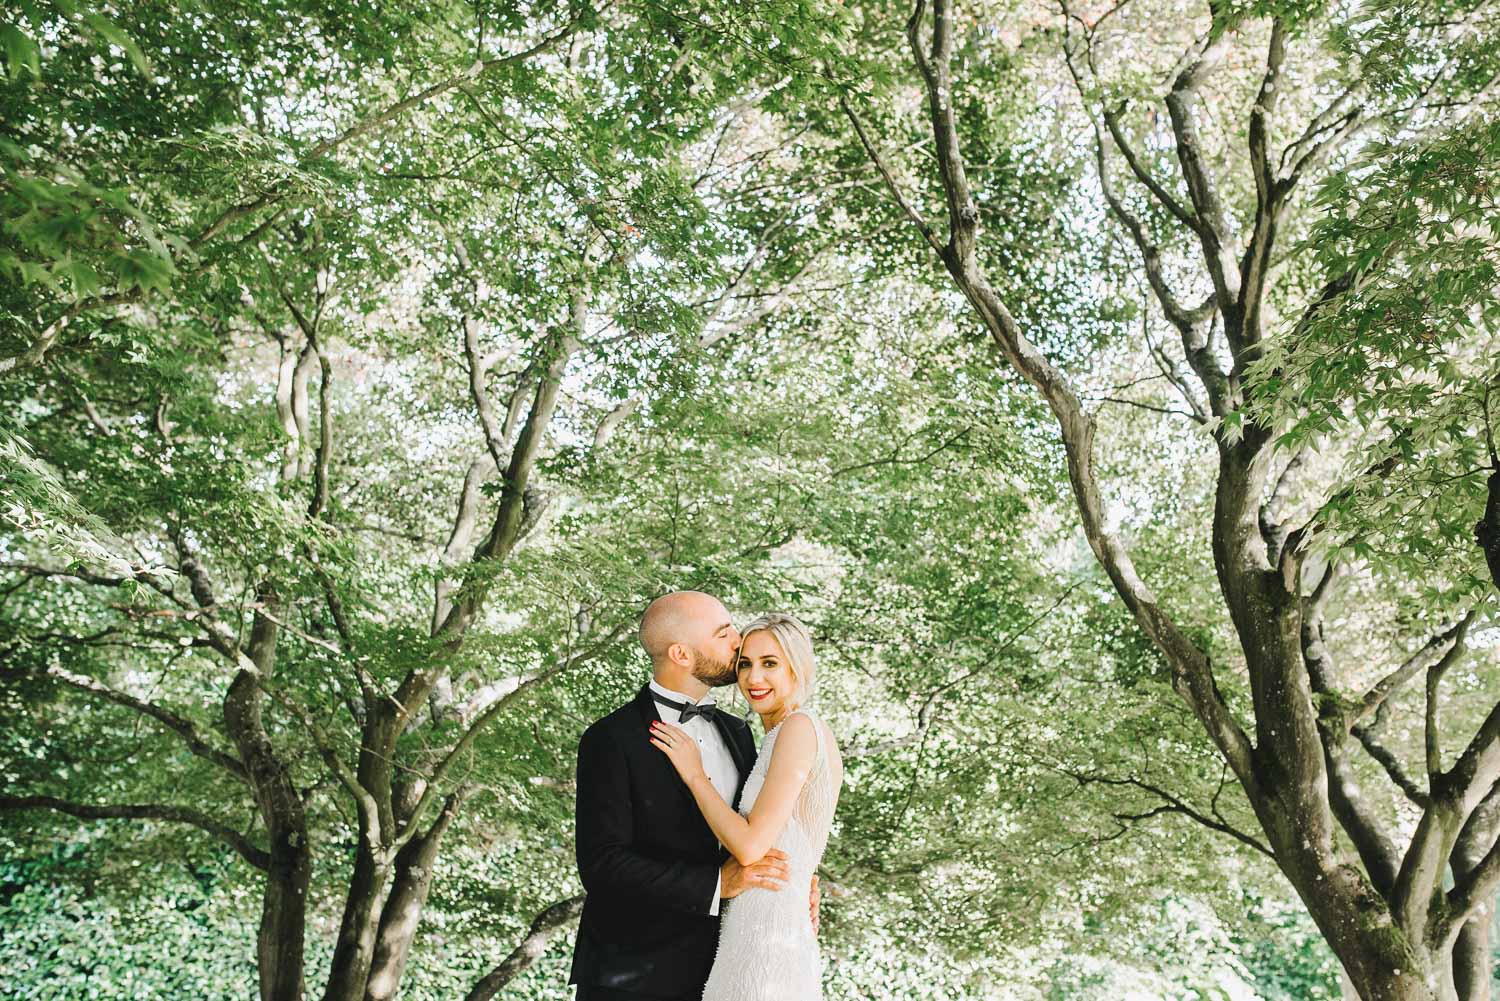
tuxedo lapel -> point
(736, 751)
(665, 772)
(741, 749)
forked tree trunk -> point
(355, 950)
(372, 923)
(402, 912)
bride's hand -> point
(680, 748)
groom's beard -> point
(712, 672)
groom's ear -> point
(677, 653)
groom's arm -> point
(606, 858)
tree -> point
(1383, 910)
(176, 265)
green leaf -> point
(82, 276)
(112, 33)
(21, 52)
(33, 273)
(144, 270)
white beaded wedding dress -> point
(767, 949)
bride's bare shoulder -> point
(796, 739)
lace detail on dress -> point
(767, 949)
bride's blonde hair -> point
(796, 643)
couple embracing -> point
(697, 852)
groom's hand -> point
(770, 873)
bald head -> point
(686, 617)
(690, 641)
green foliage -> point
(772, 396)
(1395, 373)
(66, 939)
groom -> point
(654, 873)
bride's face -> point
(765, 678)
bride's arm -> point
(747, 838)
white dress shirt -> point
(717, 761)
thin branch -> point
(180, 725)
(1387, 760)
(1172, 805)
(247, 849)
(1188, 321)
(494, 438)
(613, 420)
(1132, 160)
(1320, 123)
(889, 178)
(1112, 117)
(1382, 689)
(1213, 227)
(1272, 513)
(1148, 406)
(1270, 195)
(897, 459)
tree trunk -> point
(283, 919)
(1471, 960)
(403, 907)
(355, 950)
(1346, 986)
(1472, 964)
(1377, 956)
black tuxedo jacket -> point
(647, 858)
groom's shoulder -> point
(621, 718)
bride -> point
(767, 949)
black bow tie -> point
(688, 709)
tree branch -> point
(1382, 689)
(248, 850)
(1468, 895)
(606, 427)
(890, 180)
(494, 439)
(1272, 512)
(1189, 322)
(480, 470)
(1383, 756)
(1172, 805)
(178, 724)
(1192, 673)
(435, 779)
(1112, 120)
(1362, 825)
(1269, 198)
(530, 949)
(1213, 226)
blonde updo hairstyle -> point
(796, 644)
